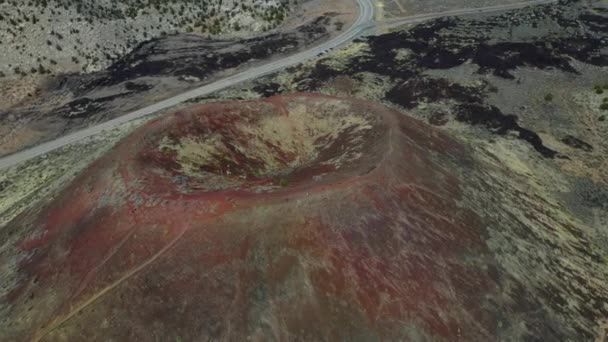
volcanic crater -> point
(255, 145)
(182, 232)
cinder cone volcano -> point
(299, 217)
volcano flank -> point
(298, 217)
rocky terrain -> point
(463, 196)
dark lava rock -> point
(502, 57)
(267, 88)
(136, 87)
(499, 123)
(415, 90)
(438, 119)
(577, 143)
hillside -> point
(51, 36)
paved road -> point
(363, 24)
(427, 16)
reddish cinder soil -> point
(299, 217)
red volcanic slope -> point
(297, 217)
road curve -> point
(364, 22)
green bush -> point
(549, 97)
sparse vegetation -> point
(599, 89)
(134, 21)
